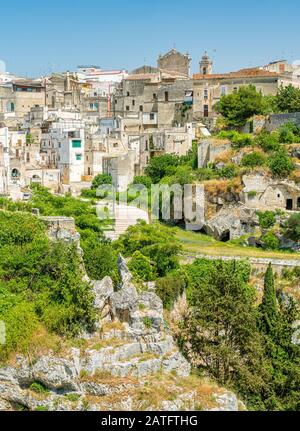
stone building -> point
(174, 61)
(210, 87)
(264, 193)
(64, 90)
(18, 97)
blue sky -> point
(38, 37)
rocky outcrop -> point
(131, 346)
(232, 223)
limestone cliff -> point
(131, 362)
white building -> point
(63, 142)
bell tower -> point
(206, 65)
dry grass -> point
(167, 387)
(112, 326)
(224, 157)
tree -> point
(281, 164)
(288, 99)
(268, 307)
(220, 332)
(292, 227)
(159, 166)
(238, 107)
(154, 241)
(100, 180)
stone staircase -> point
(125, 216)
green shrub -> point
(253, 159)
(100, 180)
(19, 228)
(147, 322)
(141, 267)
(169, 288)
(72, 397)
(38, 388)
(252, 194)
(228, 171)
(155, 241)
(144, 180)
(281, 164)
(270, 241)
(20, 324)
(41, 409)
(267, 141)
(239, 140)
(289, 133)
(267, 219)
(89, 193)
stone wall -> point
(277, 120)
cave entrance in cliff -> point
(225, 236)
(289, 204)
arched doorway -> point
(36, 179)
(15, 173)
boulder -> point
(95, 389)
(227, 402)
(124, 272)
(55, 373)
(124, 302)
(176, 362)
(102, 290)
(232, 222)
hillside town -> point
(114, 298)
(62, 130)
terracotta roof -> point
(243, 73)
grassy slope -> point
(196, 243)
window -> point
(27, 157)
(59, 145)
(166, 96)
(152, 116)
(15, 173)
(204, 71)
(205, 110)
(76, 144)
(78, 156)
(223, 90)
(128, 94)
(133, 103)
(154, 96)
(235, 89)
(205, 94)
(141, 108)
(127, 108)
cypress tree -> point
(268, 308)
